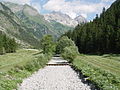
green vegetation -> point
(102, 71)
(14, 67)
(7, 45)
(62, 43)
(105, 62)
(12, 26)
(47, 44)
(100, 36)
(26, 25)
(21, 57)
(66, 47)
(60, 28)
(70, 53)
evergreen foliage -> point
(47, 44)
(7, 45)
(100, 36)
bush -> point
(47, 44)
(10, 79)
(62, 43)
(2, 50)
(38, 63)
(103, 79)
(70, 53)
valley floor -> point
(104, 70)
(109, 63)
(21, 57)
(54, 78)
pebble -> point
(54, 78)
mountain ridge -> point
(56, 16)
(37, 19)
(64, 19)
(12, 26)
(25, 24)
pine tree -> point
(100, 36)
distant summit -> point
(80, 19)
(27, 25)
(64, 19)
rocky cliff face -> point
(61, 18)
(80, 19)
(32, 19)
(12, 26)
(24, 23)
(64, 19)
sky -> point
(73, 8)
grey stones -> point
(54, 78)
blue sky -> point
(73, 8)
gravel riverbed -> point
(54, 78)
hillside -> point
(32, 19)
(102, 35)
(12, 26)
(64, 19)
(26, 25)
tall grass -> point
(11, 79)
(100, 77)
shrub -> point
(70, 53)
(10, 79)
(37, 63)
(62, 43)
(47, 44)
(103, 79)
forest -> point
(7, 45)
(100, 36)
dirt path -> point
(54, 78)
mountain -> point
(32, 19)
(64, 19)
(80, 19)
(12, 26)
(100, 36)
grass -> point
(103, 71)
(17, 66)
(109, 63)
(21, 57)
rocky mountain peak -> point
(64, 19)
(30, 10)
(13, 6)
(61, 18)
(80, 19)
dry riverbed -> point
(54, 78)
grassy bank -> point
(104, 71)
(21, 57)
(14, 67)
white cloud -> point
(29, 2)
(107, 0)
(74, 8)
(84, 15)
(36, 6)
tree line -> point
(64, 46)
(102, 35)
(7, 45)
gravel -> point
(54, 78)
